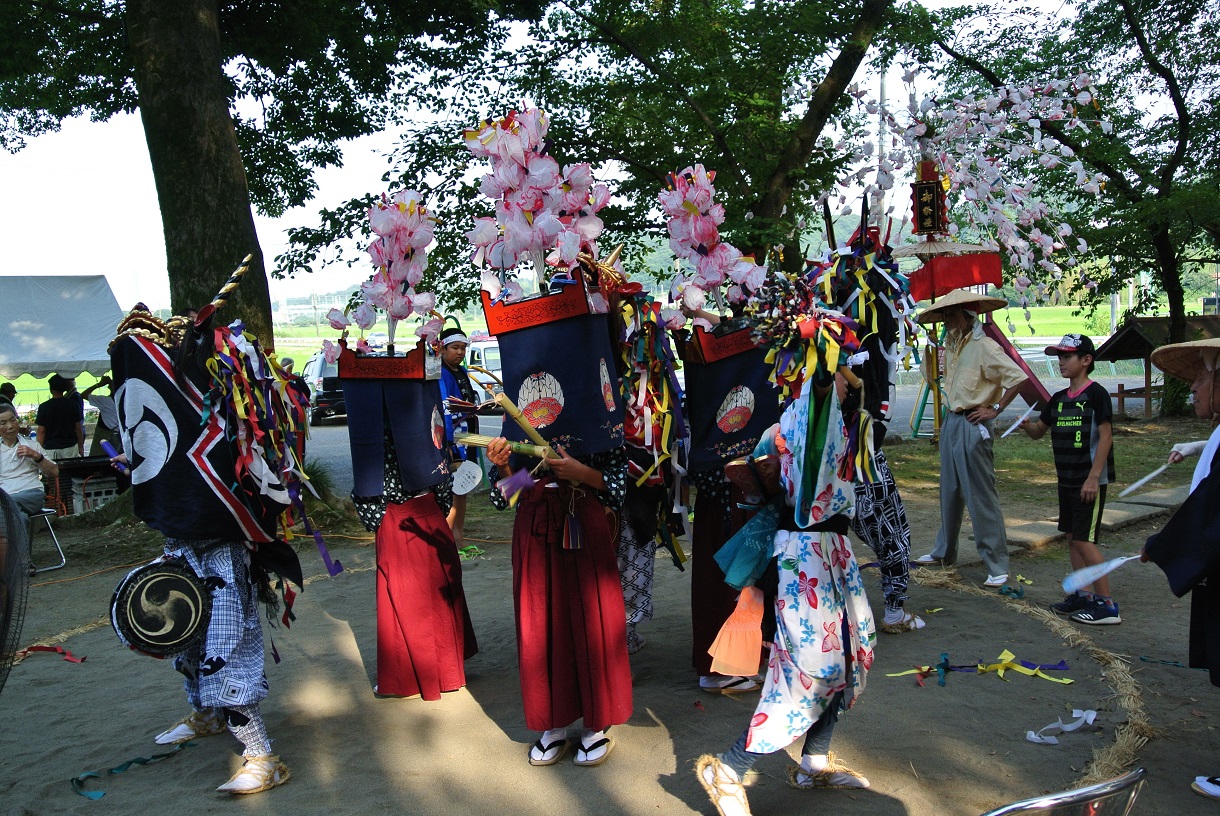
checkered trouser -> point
(226, 668)
(881, 523)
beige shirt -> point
(977, 371)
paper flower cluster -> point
(544, 213)
(403, 230)
(984, 143)
(694, 236)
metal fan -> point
(14, 580)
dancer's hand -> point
(497, 453)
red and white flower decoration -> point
(404, 231)
(694, 237)
(543, 213)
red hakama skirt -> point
(424, 634)
(711, 599)
(571, 623)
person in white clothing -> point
(23, 463)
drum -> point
(161, 609)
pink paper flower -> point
(337, 319)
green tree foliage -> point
(1157, 67)
(242, 100)
(642, 88)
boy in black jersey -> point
(1080, 421)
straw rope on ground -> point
(55, 640)
(1121, 755)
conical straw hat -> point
(961, 298)
(1185, 360)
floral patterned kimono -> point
(824, 627)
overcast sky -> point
(82, 202)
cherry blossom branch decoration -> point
(404, 231)
(694, 237)
(543, 213)
(985, 144)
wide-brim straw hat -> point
(962, 299)
(1185, 360)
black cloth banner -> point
(183, 466)
(729, 403)
(562, 376)
(412, 409)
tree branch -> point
(1170, 167)
(1115, 176)
(778, 188)
(75, 14)
(730, 161)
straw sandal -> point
(834, 775)
(909, 623)
(727, 795)
(205, 723)
(257, 775)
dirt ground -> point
(959, 749)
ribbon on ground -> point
(1007, 662)
(1179, 664)
(59, 650)
(1041, 737)
(78, 783)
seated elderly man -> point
(23, 464)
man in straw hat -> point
(1188, 548)
(979, 382)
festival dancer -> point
(214, 483)
(402, 487)
(729, 401)
(653, 430)
(865, 282)
(1187, 549)
(814, 585)
(557, 360)
(729, 404)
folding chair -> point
(52, 507)
(46, 514)
(1115, 797)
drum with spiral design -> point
(161, 609)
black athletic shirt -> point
(1073, 422)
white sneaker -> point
(996, 580)
(256, 775)
(197, 724)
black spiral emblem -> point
(161, 609)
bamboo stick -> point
(482, 441)
(513, 411)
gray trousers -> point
(967, 481)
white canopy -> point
(56, 324)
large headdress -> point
(210, 424)
(558, 363)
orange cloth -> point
(737, 649)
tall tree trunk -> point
(197, 165)
(1170, 273)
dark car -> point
(326, 393)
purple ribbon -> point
(333, 568)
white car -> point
(483, 363)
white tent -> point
(56, 324)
